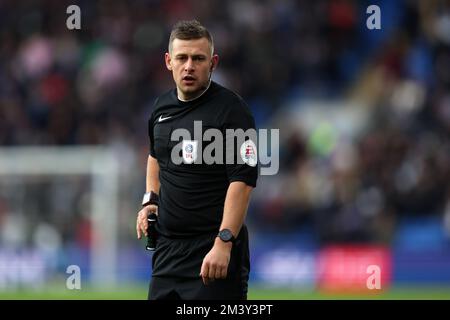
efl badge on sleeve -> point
(248, 153)
(189, 151)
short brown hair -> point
(190, 29)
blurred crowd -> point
(397, 168)
(96, 86)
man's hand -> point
(141, 221)
(215, 263)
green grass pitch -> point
(255, 293)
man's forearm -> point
(236, 205)
(215, 263)
(152, 179)
(151, 184)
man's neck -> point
(196, 96)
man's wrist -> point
(221, 244)
(150, 198)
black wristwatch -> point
(226, 236)
(150, 198)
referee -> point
(202, 249)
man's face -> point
(191, 64)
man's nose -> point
(189, 66)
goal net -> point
(54, 200)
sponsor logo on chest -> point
(189, 151)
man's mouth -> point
(188, 78)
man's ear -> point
(168, 60)
(214, 62)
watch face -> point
(225, 235)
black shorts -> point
(176, 267)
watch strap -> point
(150, 198)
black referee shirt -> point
(192, 195)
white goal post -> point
(102, 166)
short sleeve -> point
(151, 123)
(240, 144)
